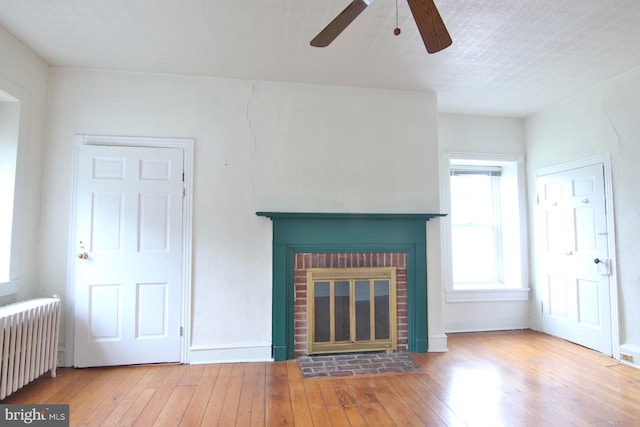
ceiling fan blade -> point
(340, 22)
(434, 34)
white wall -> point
(486, 135)
(595, 121)
(260, 146)
(24, 76)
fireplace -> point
(366, 309)
(341, 236)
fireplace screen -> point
(351, 309)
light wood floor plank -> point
(162, 393)
(375, 415)
(394, 405)
(213, 410)
(63, 392)
(125, 405)
(177, 404)
(258, 395)
(197, 405)
(245, 401)
(354, 416)
(117, 394)
(343, 394)
(82, 405)
(411, 400)
(317, 407)
(232, 396)
(193, 375)
(338, 416)
(136, 409)
(432, 397)
(278, 403)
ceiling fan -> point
(432, 29)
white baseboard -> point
(476, 325)
(632, 351)
(204, 355)
(199, 355)
(437, 344)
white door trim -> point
(603, 159)
(187, 145)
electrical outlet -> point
(626, 357)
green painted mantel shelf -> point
(343, 216)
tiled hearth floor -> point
(356, 364)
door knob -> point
(597, 261)
(83, 255)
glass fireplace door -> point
(351, 309)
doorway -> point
(576, 258)
(130, 258)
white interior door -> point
(575, 266)
(128, 272)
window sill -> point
(485, 295)
(8, 288)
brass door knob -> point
(83, 255)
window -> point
(476, 233)
(9, 116)
(487, 228)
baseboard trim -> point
(437, 344)
(486, 326)
(199, 355)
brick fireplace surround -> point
(342, 237)
(347, 260)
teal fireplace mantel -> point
(305, 232)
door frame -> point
(604, 160)
(187, 146)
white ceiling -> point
(509, 57)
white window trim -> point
(491, 293)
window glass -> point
(342, 313)
(9, 119)
(475, 232)
(382, 309)
(363, 310)
(322, 311)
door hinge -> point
(541, 306)
(184, 192)
(181, 331)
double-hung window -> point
(487, 254)
(9, 123)
(476, 232)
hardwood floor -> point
(516, 378)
